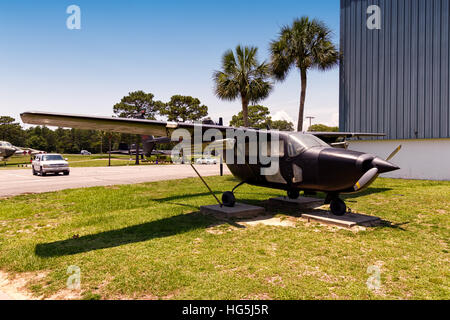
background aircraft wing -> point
(29, 151)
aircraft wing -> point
(338, 138)
(120, 125)
(148, 127)
(337, 135)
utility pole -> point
(310, 121)
(221, 153)
(101, 142)
(109, 157)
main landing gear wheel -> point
(293, 194)
(338, 207)
(228, 199)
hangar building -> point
(394, 79)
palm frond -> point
(241, 73)
(306, 44)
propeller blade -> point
(366, 179)
(393, 154)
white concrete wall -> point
(418, 159)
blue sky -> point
(162, 47)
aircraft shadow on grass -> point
(139, 233)
(367, 192)
(152, 230)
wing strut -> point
(203, 180)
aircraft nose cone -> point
(384, 166)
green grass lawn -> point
(14, 162)
(97, 160)
(76, 160)
(149, 241)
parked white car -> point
(85, 153)
(206, 161)
(50, 163)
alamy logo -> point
(73, 22)
(374, 20)
(241, 147)
(374, 281)
(74, 279)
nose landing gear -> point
(228, 198)
(293, 194)
(337, 205)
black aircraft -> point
(306, 162)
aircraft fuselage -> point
(306, 163)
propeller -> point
(372, 174)
(368, 177)
(393, 154)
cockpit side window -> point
(294, 149)
(278, 153)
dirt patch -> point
(271, 221)
(276, 281)
(14, 287)
(66, 294)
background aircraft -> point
(149, 143)
(7, 150)
(306, 163)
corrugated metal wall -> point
(396, 80)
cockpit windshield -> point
(6, 144)
(299, 142)
(52, 157)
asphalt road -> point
(16, 182)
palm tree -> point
(242, 76)
(306, 44)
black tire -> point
(34, 172)
(66, 173)
(43, 174)
(228, 199)
(338, 207)
(293, 194)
